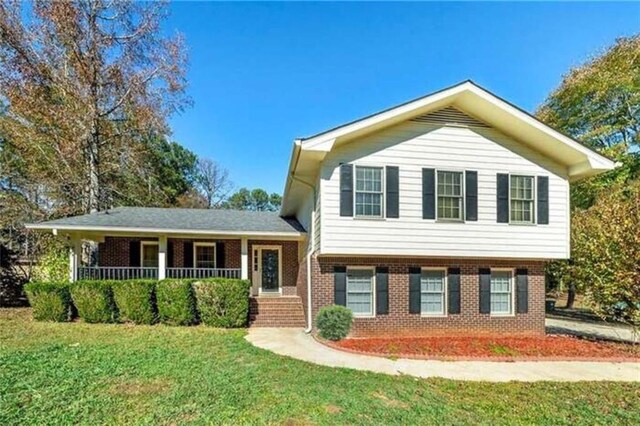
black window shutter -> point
(134, 254)
(170, 254)
(428, 193)
(503, 198)
(346, 190)
(485, 290)
(382, 290)
(522, 295)
(471, 195)
(414, 290)
(340, 285)
(543, 200)
(187, 254)
(220, 255)
(393, 191)
(453, 282)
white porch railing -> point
(116, 273)
(129, 273)
(203, 272)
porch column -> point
(244, 258)
(162, 257)
(74, 258)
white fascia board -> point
(134, 230)
(326, 139)
(599, 161)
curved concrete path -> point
(295, 343)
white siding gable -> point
(418, 144)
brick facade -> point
(400, 322)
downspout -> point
(309, 253)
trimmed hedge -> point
(223, 302)
(176, 302)
(94, 301)
(334, 322)
(135, 300)
(50, 301)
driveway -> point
(614, 332)
(295, 343)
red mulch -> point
(507, 348)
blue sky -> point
(262, 74)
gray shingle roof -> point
(200, 220)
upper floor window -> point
(521, 199)
(450, 195)
(369, 191)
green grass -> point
(74, 373)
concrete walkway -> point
(296, 344)
(589, 329)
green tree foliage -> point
(53, 265)
(606, 253)
(256, 200)
(598, 103)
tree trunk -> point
(571, 296)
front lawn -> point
(55, 373)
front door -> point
(268, 269)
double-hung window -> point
(369, 191)
(432, 292)
(149, 255)
(204, 255)
(501, 292)
(450, 195)
(360, 291)
(521, 199)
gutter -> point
(309, 252)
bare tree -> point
(84, 83)
(213, 182)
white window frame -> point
(195, 254)
(513, 292)
(373, 290)
(534, 203)
(382, 194)
(462, 195)
(445, 293)
(142, 246)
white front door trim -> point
(257, 267)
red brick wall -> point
(115, 251)
(400, 322)
(289, 263)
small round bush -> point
(334, 322)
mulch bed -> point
(547, 348)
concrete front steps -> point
(272, 311)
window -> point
(432, 292)
(521, 194)
(369, 191)
(360, 291)
(501, 292)
(149, 254)
(204, 255)
(450, 195)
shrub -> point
(176, 302)
(334, 322)
(135, 300)
(50, 301)
(94, 301)
(223, 302)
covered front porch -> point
(150, 243)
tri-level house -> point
(436, 216)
